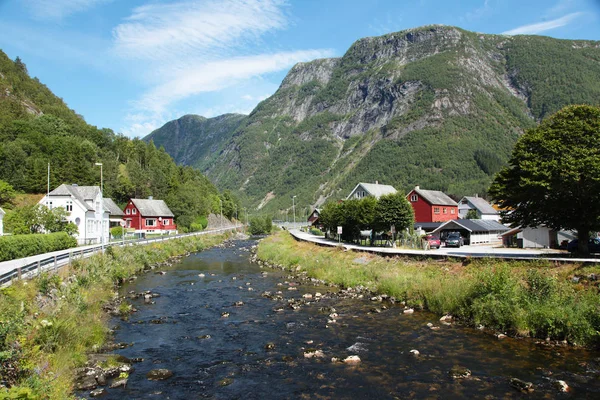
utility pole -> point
(101, 207)
(221, 203)
(48, 188)
(294, 209)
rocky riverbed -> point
(222, 324)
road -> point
(474, 251)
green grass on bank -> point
(48, 324)
(521, 298)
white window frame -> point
(134, 211)
(436, 210)
(165, 222)
(414, 197)
(153, 224)
(128, 211)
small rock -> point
(501, 336)
(408, 311)
(318, 294)
(225, 314)
(314, 354)
(561, 386)
(521, 385)
(87, 383)
(415, 352)
(204, 337)
(98, 392)
(159, 374)
(458, 372)
(446, 318)
(119, 383)
(307, 296)
(270, 346)
(352, 360)
(201, 275)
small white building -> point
(474, 231)
(370, 189)
(540, 237)
(481, 206)
(86, 211)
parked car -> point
(454, 240)
(593, 245)
(434, 242)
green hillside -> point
(436, 106)
(37, 128)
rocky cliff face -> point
(436, 106)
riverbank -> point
(544, 300)
(49, 324)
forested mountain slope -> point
(37, 128)
(436, 106)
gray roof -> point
(152, 208)
(375, 189)
(435, 197)
(477, 225)
(81, 193)
(112, 207)
(480, 204)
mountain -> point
(435, 106)
(192, 138)
(37, 128)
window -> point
(150, 222)
(128, 211)
(445, 210)
(69, 206)
(452, 211)
(134, 211)
(436, 210)
(414, 197)
(49, 204)
(166, 222)
(128, 222)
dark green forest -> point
(37, 128)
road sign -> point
(339, 230)
(393, 229)
(122, 224)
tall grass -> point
(48, 324)
(520, 298)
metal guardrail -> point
(55, 262)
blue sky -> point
(132, 65)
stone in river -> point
(521, 385)
(97, 392)
(352, 360)
(415, 352)
(118, 383)
(159, 374)
(458, 372)
(561, 386)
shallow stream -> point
(259, 350)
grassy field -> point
(48, 324)
(536, 299)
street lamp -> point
(294, 208)
(101, 206)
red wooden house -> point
(432, 205)
(149, 216)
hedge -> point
(19, 246)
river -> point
(259, 349)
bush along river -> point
(218, 325)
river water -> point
(258, 350)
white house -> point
(474, 231)
(483, 208)
(540, 237)
(370, 189)
(86, 211)
(2, 213)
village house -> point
(149, 216)
(116, 214)
(481, 206)
(2, 213)
(370, 189)
(432, 205)
(313, 219)
(473, 231)
(86, 208)
(540, 237)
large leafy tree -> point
(553, 176)
(393, 210)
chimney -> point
(417, 187)
(377, 182)
(149, 197)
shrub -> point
(19, 246)
(316, 231)
(116, 232)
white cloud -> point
(220, 74)
(533, 29)
(479, 13)
(207, 28)
(58, 9)
(192, 47)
